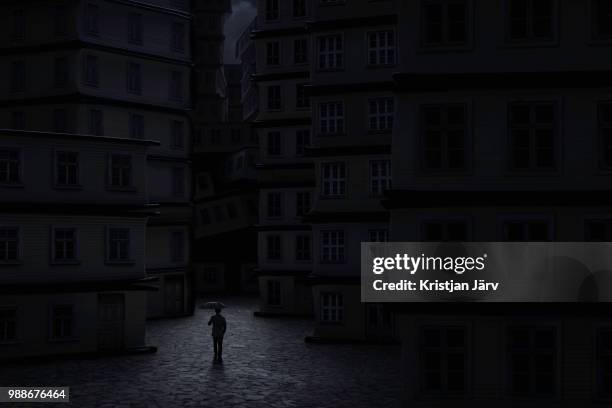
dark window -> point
(118, 244)
(177, 246)
(178, 182)
(64, 244)
(303, 203)
(137, 128)
(299, 8)
(18, 76)
(330, 52)
(61, 74)
(274, 144)
(232, 211)
(332, 247)
(302, 141)
(531, 20)
(60, 20)
(381, 112)
(381, 47)
(532, 361)
(219, 213)
(601, 19)
(91, 70)
(273, 247)
(274, 97)
(60, 120)
(604, 362)
(332, 308)
(302, 99)
(333, 179)
(275, 208)
(177, 134)
(272, 10)
(527, 230)
(331, 118)
(9, 244)
(533, 134)
(273, 53)
(443, 360)
(380, 176)
(178, 37)
(444, 138)
(274, 293)
(10, 166)
(66, 169)
(134, 78)
(598, 230)
(18, 120)
(96, 122)
(300, 51)
(92, 13)
(205, 216)
(444, 231)
(378, 235)
(19, 25)
(444, 23)
(176, 85)
(135, 28)
(120, 171)
(62, 322)
(303, 248)
(8, 325)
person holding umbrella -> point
(219, 325)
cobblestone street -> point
(266, 364)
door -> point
(111, 321)
(174, 294)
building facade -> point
(285, 173)
(108, 73)
(501, 135)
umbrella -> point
(213, 305)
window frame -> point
(549, 219)
(17, 338)
(445, 46)
(76, 250)
(340, 247)
(131, 185)
(118, 261)
(381, 180)
(73, 324)
(335, 119)
(56, 170)
(337, 307)
(377, 49)
(335, 53)
(20, 162)
(529, 40)
(19, 242)
(340, 182)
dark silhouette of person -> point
(219, 326)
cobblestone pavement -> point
(266, 364)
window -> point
(378, 235)
(66, 169)
(178, 182)
(302, 100)
(533, 134)
(176, 85)
(60, 20)
(8, 325)
(444, 231)
(177, 246)
(211, 275)
(302, 141)
(332, 247)
(235, 135)
(381, 47)
(333, 179)
(120, 171)
(18, 76)
(444, 23)
(60, 120)
(64, 245)
(274, 97)
(10, 166)
(331, 118)
(299, 8)
(135, 28)
(525, 230)
(443, 138)
(532, 361)
(598, 230)
(134, 78)
(177, 134)
(19, 25)
(92, 13)
(232, 211)
(273, 53)
(205, 216)
(18, 120)
(274, 146)
(332, 308)
(443, 360)
(380, 176)
(118, 245)
(137, 126)
(275, 208)
(272, 10)
(605, 135)
(300, 51)
(274, 293)
(380, 114)
(303, 203)
(215, 136)
(603, 361)
(273, 247)
(531, 20)
(303, 248)
(62, 322)
(96, 122)
(91, 70)
(219, 213)
(330, 52)
(601, 19)
(9, 244)
(178, 37)
(60, 72)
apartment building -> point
(355, 55)
(225, 157)
(119, 70)
(285, 173)
(502, 134)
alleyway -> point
(266, 364)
